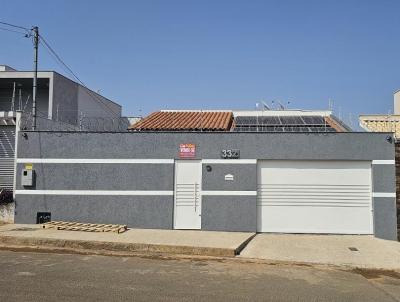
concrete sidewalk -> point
(372, 253)
(139, 241)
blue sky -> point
(150, 55)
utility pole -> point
(35, 30)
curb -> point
(161, 256)
(152, 254)
(103, 246)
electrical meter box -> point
(28, 178)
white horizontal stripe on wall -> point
(126, 161)
(229, 161)
(129, 193)
(95, 161)
(382, 194)
(229, 193)
(95, 192)
(383, 162)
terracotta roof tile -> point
(335, 125)
(185, 120)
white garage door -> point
(314, 197)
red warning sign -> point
(187, 151)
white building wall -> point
(396, 97)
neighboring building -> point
(58, 99)
(384, 122)
(286, 171)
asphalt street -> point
(26, 276)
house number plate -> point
(230, 153)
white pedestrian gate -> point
(314, 197)
(187, 209)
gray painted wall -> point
(383, 177)
(135, 211)
(102, 176)
(235, 213)
(385, 220)
(95, 105)
(73, 99)
(318, 146)
(65, 99)
(245, 177)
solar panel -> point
(282, 124)
(291, 120)
(271, 120)
(314, 120)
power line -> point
(15, 26)
(13, 31)
(59, 59)
(54, 57)
(66, 67)
(28, 33)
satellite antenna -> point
(265, 106)
(281, 106)
(330, 105)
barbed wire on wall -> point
(73, 124)
(72, 121)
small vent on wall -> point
(229, 177)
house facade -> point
(286, 172)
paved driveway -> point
(361, 251)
